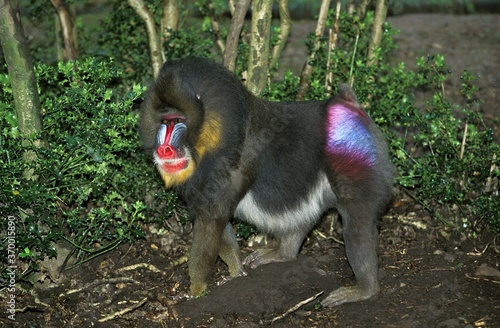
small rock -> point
(486, 271)
(448, 257)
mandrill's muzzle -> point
(169, 139)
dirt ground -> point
(431, 276)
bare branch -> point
(170, 17)
(333, 33)
(136, 305)
(155, 48)
(231, 7)
(258, 61)
(234, 34)
(216, 29)
(66, 19)
(378, 22)
(296, 307)
(308, 68)
(285, 26)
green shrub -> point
(94, 180)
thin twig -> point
(33, 293)
(351, 70)
(482, 279)
(462, 150)
(122, 312)
(216, 30)
(181, 260)
(100, 282)
(296, 307)
(155, 47)
(322, 235)
(148, 266)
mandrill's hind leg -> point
(360, 238)
(288, 247)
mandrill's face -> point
(171, 156)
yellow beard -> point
(177, 178)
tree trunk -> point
(258, 61)
(233, 34)
(308, 68)
(361, 8)
(21, 74)
(170, 18)
(333, 36)
(155, 46)
(66, 20)
(285, 26)
(378, 22)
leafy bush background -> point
(94, 180)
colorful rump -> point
(349, 146)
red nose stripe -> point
(165, 151)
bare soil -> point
(431, 275)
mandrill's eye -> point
(172, 119)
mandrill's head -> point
(176, 125)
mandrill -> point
(276, 165)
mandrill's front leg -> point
(212, 237)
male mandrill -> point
(278, 166)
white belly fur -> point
(302, 216)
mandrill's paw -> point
(225, 279)
(235, 268)
(349, 295)
(198, 289)
(264, 256)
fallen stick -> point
(148, 266)
(122, 312)
(296, 307)
(100, 282)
